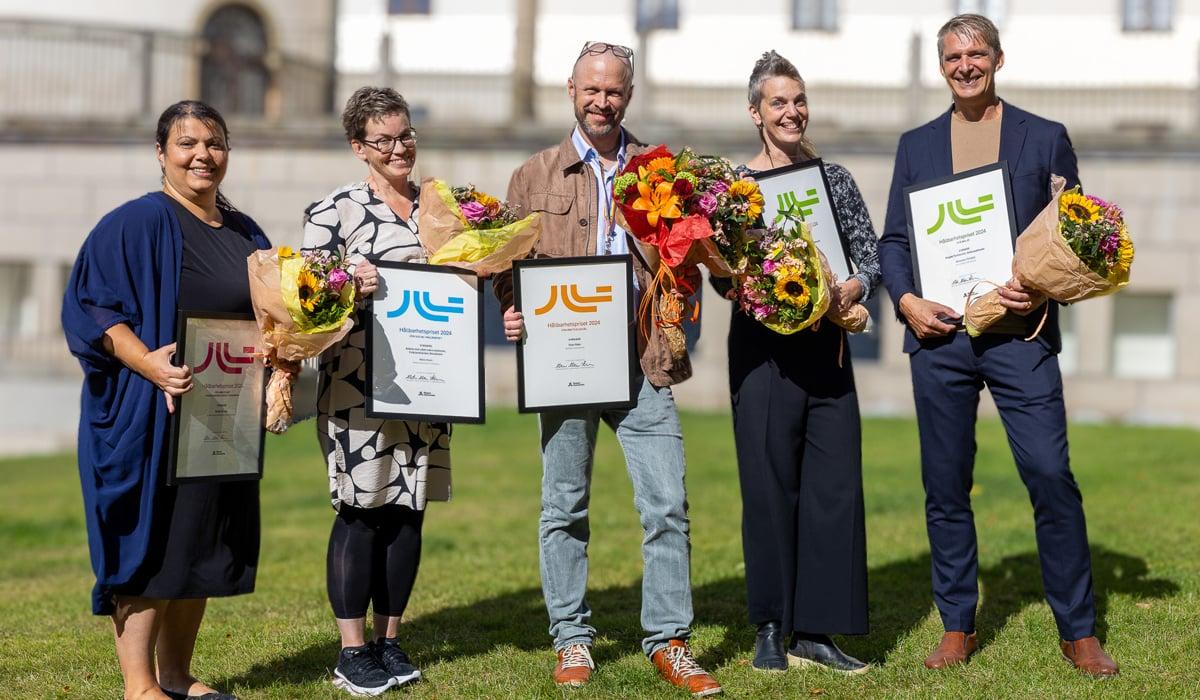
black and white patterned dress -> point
(371, 462)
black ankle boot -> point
(819, 650)
(768, 648)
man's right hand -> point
(514, 324)
(922, 316)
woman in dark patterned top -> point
(381, 472)
(797, 429)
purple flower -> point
(473, 211)
(718, 187)
(1110, 244)
(337, 279)
(769, 266)
(706, 203)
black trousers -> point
(373, 558)
(799, 447)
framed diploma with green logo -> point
(217, 429)
(806, 186)
(960, 232)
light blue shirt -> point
(610, 238)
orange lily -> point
(659, 202)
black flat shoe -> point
(207, 696)
(819, 650)
(768, 648)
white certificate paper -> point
(806, 186)
(218, 430)
(425, 344)
(961, 232)
(578, 348)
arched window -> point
(233, 72)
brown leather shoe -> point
(954, 649)
(574, 667)
(678, 667)
(1089, 657)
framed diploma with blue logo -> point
(579, 344)
(217, 428)
(424, 345)
(961, 231)
(806, 186)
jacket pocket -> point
(551, 202)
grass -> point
(477, 625)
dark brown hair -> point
(196, 109)
(369, 103)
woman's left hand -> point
(848, 294)
(366, 278)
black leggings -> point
(373, 558)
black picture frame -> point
(370, 409)
(1002, 166)
(837, 219)
(181, 403)
(523, 405)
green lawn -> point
(477, 626)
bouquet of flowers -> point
(303, 305)
(783, 279)
(464, 227)
(1077, 248)
(681, 209)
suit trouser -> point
(799, 448)
(1025, 382)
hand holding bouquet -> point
(303, 305)
(782, 282)
(1077, 248)
(464, 227)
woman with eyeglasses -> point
(381, 472)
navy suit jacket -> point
(1034, 148)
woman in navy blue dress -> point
(159, 552)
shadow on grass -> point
(900, 600)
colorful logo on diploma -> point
(787, 200)
(421, 304)
(568, 295)
(960, 214)
(226, 361)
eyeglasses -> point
(387, 144)
(599, 48)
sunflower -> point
(486, 199)
(748, 189)
(662, 163)
(790, 287)
(308, 285)
(1124, 255)
(1078, 208)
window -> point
(1147, 15)
(1068, 359)
(409, 7)
(18, 306)
(1143, 336)
(819, 15)
(992, 9)
(233, 72)
(657, 14)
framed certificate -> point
(425, 344)
(960, 232)
(217, 430)
(807, 186)
(578, 350)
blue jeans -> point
(652, 441)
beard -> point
(593, 130)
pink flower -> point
(474, 212)
(769, 266)
(706, 204)
(718, 187)
(337, 279)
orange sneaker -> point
(574, 667)
(678, 667)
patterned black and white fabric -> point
(371, 462)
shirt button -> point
(583, 222)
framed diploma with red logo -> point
(579, 344)
(217, 429)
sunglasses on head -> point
(599, 48)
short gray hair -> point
(970, 26)
(771, 65)
(369, 103)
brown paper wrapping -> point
(1044, 262)
(437, 224)
(283, 342)
(853, 319)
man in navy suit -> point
(949, 368)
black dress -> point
(205, 538)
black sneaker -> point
(396, 662)
(768, 648)
(359, 672)
(819, 650)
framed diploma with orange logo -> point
(579, 347)
(217, 428)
